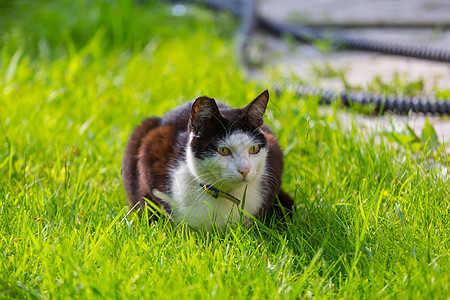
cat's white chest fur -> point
(188, 200)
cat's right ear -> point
(204, 114)
(256, 109)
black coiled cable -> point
(381, 103)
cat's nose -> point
(244, 173)
(244, 170)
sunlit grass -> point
(372, 217)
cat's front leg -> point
(165, 199)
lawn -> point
(372, 210)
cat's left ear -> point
(255, 110)
(205, 115)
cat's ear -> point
(204, 114)
(255, 110)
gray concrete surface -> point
(360, 68)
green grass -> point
(372, 217)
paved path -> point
(359, 67)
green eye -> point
(224, 151)
(254, 149)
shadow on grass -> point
(311, 233)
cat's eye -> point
(254, 149)
(224, 151)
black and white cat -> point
(202, 159)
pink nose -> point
(244, 172)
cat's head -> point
(227, 148)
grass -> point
(372, 217)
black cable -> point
(381, 103)
(355, 42)
(248, 24)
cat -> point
(203, 159)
